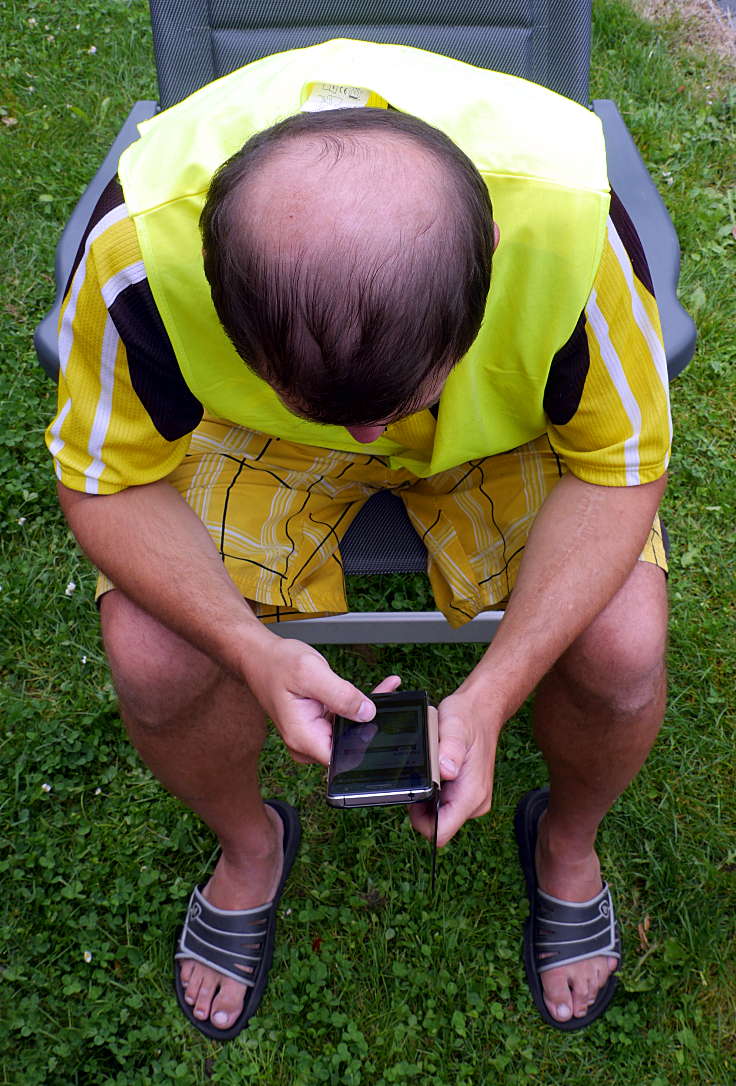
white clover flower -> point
(98, 791)
(70, 588)
(46, 787)
(21, 521)
(84, 659)
(87, 956)
(92, 50)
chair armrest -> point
(46, 337)
(631, 181)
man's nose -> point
(365, 434)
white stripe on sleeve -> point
(642, 318)
(114, 286)
(127, 277)
(110, 343)
(66, 334)
(612, 362)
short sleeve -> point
(124, 413)
(607, 395)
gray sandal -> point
(226, 939)
(560, 932)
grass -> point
(376, 982)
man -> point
(348, 255)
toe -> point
(582, 997)
(228, 1004)
(204, 999)
(570, 991)
(557, 995)
(193, 982)
(186, 972)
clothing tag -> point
(334, 96)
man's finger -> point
(387, 685)
(453, 747)
(301, 758)
(421, 816)
(310, 741)
(453, 815)
(340, 697)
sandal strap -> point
(225, 939)
(570, 931)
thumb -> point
(452, 747)
(342, 698)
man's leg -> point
(200, 732)
(597, 714)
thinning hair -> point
(349, 258)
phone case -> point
(433, 752)
(433, 733)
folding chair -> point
(197, 41)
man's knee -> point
(158, 676)
(618, 663)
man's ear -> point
(496, 235)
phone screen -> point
(387, 754)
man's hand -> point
(297, 688)
(468, 738)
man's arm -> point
(582, 547)
(137, 529)
(150, 543)
(607, 409)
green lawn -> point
(374, 981)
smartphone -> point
(391, 759)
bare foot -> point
(569, 990)
(237, 883)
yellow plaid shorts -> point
(276, 511)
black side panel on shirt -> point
(566, 380)
(631, 242)
(154, 370)
(112, 197)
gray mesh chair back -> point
(547, 41)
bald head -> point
(349, 258)
(367, 185)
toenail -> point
(200, 1013)
(220, 1018)
(563, 1010)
